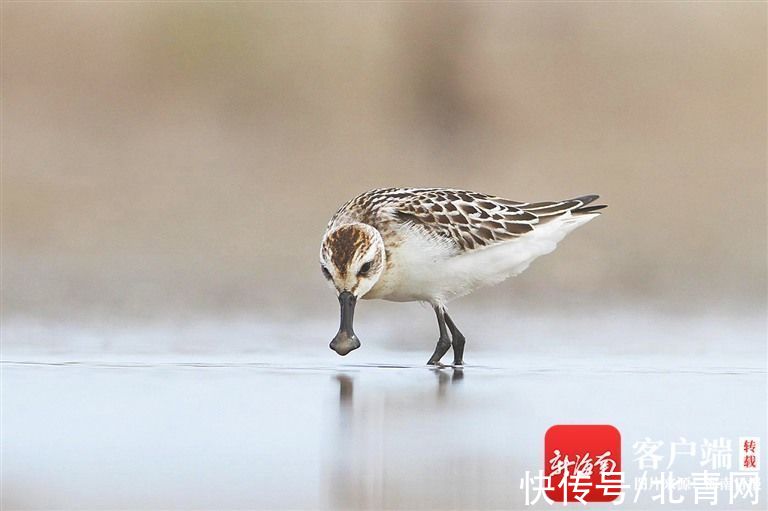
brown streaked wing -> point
(468, 220)
(546, 211)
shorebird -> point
(433, 245)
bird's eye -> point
(365, 268)
(326, 273)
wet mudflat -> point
(377, 431)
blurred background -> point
(168, 170)
(168, 161)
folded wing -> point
(471, 220)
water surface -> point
(208, 433)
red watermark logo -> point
(583, 463)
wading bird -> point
(433, 245)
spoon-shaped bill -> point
(346, 340)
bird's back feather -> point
(468, 220)
(445, 243)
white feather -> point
(426, 269)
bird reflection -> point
(346, 387)
(443, 379)
(363, 449)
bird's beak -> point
(346, 340)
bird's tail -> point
(583, 208)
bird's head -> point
(352, 259)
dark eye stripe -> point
(326, 273)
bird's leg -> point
(444, 342)
(457, 341)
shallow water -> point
(210, 433)
(225, 414)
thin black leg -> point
(457, 342)
(444, 342)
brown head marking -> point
(345, 242)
